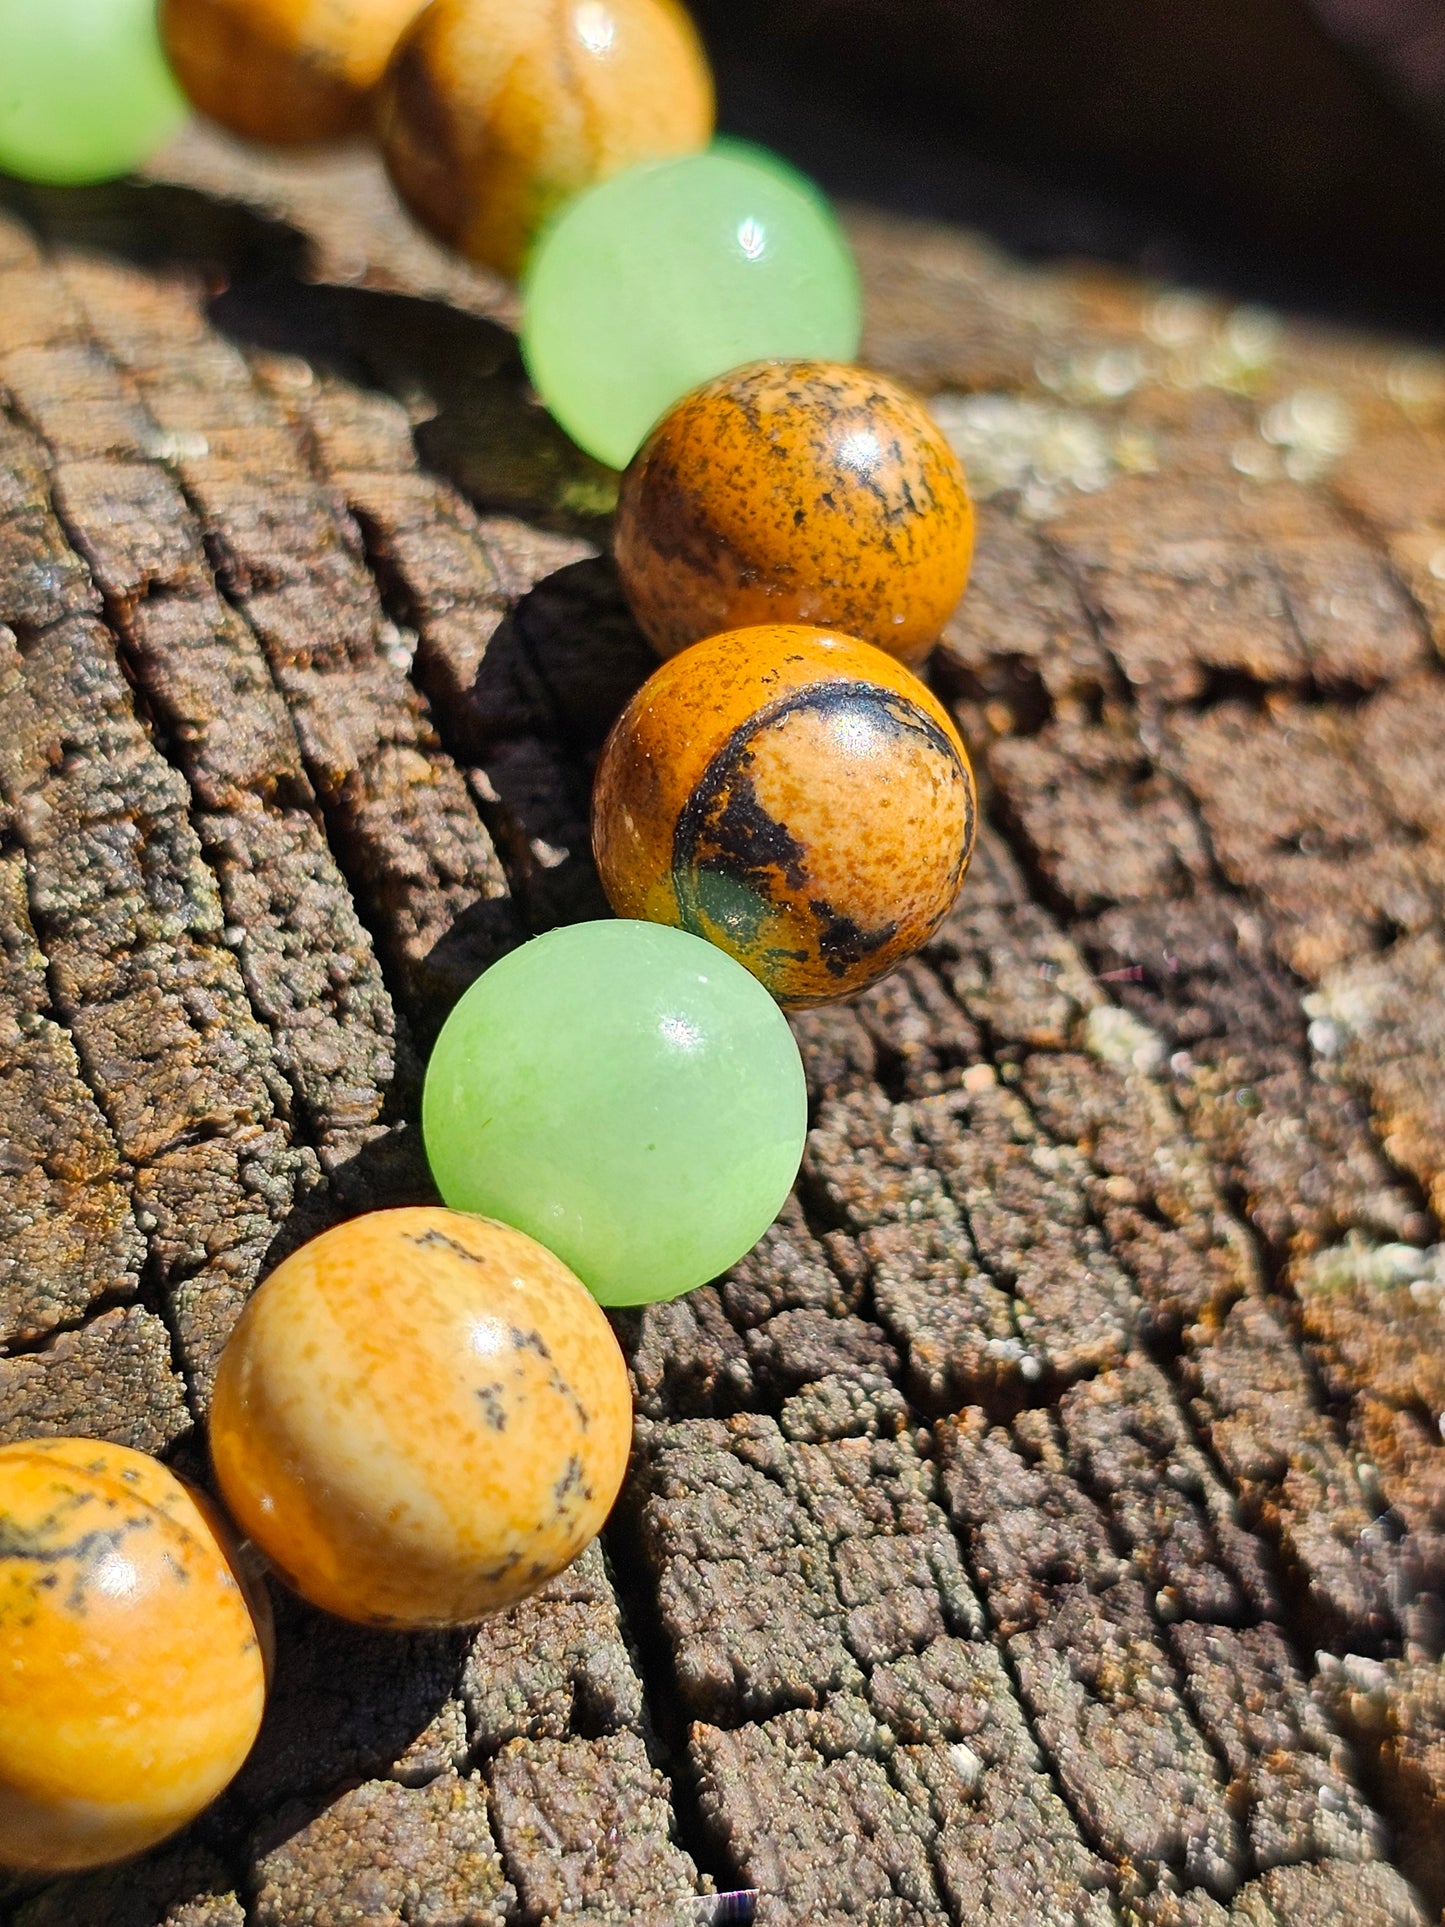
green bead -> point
(85, 92)
(673, 272)
(625, 1094)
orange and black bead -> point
(795, 796)
(796, 491)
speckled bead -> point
(496, 111)
(421, 1417)
(796, 797)
(796, 491)
(132, 1675)
(285, 71)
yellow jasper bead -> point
(132, 1677)
(493, 112)
(421, 1417)
(288, 71)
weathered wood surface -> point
(1047, 1523)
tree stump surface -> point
(1046, 1524)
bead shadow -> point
(351, 1703)
(589, 654)
(569, 650)
(185, 1879)
(459, 376)
(556, 673)
(155, 224)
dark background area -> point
(1231, 143)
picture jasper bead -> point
(132, 1672)
(285, 71)
(797, 797)
(796, 491)
(496, 111)
(420, 1417)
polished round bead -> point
(664, 276)
(285, 71)
(420, 1418)
(85, 92)
(628, 1095)
(494, 112)
(796, 491)
(798, 798)
(132, 1673)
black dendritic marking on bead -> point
(734, 863)
(844, 944)
(85, 1554)
(529, 1341)
(556, 1383)
(748, 841)
(493, 1401)
(572, 1488)
(435, 1240)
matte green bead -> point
(85, 91)
(673, 272)
(627, 1095)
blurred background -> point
(1291, 150)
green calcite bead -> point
(674, 272)
(85, 92)
(627, 1095)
